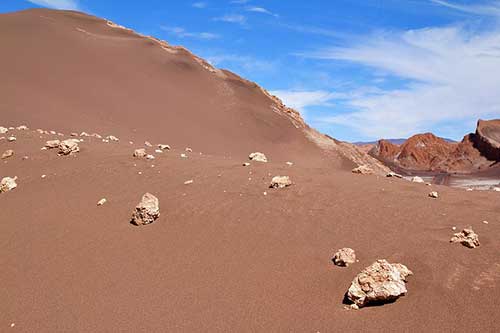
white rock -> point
(258, 157)
(8, 184)
(52, 144)
(289, 163)
(150, 157)
(434, 194)
(164, 147)
(344, 257)
(69, 147)
(22, 128)
(148, 144)
(187, 182)
(363, 170)
(159, 151)
(3, 130)
(378, 283)
(467, 237)
(189, 150)
(101, 202)
(393, 174)
(8, 153)
(11, 138)
(417, 179)
(246, 164)
(147, 211)
(112, 138)
(140, 153)
(280, 182)
(183, 155)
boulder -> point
(344, 257)
(280, 182)
(69, 147)
(363, 170)
(467, 237)
(140, 153)
(434, 194)
(380, 282)
(8, 184)
(258, 157)
(52, 144)
(8, 153)
(147, 211)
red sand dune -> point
(222, 256)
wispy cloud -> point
(490, 9)
(240, 2)
(452, 75)
(232, 18)
(57, 4)
(199, 5)
(183, 33)
(260, 10)
(300, 100)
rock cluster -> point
(147, 211)
(8, 184)
(344, 257)
(466, 237)
(378, 283)
(258, 157)
(280, 182)
(363, 170)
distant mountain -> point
(393, 141)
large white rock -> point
(378, 283)
(3, 130)
(8, 184)
(258, 157)
(147, 211)
(52, 144)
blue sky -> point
(357, 70)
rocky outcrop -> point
(69, 147)
(381, 282)
(427, 152)
(488, 138)
(466, 237)
(147, 211)
(344, 257)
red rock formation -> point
(488, 138)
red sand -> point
(222, 256)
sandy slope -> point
(222, 256)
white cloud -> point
(57, 4)
(241, 63)
(261, 10)
(452, 76)
(183, 33)
(232, 18)
(301, 99)
(200, 5)
(491, 9)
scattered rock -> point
(22, 128)
(289, 163)
(280, 182)
(101, 202)
(183, 155)
(3, 130)
(147, 211)
(52, 144)
(150, 157)
(344, 257)
(187, 182)
(164, 147)
(140, 153)
(159, 151)
(466, 237)
(8, 184)
(84, 134)
(74, 134)
(363, 170)
(44, 176)
(95, 135)
(417, 179)
(11, 138)
(8, 153)
(189, 150)
(380, 282)
(112, 138)
(393, 174)
(69, 147)
(258, 157)
(148, 144)
(246, 164)
(434, 194)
